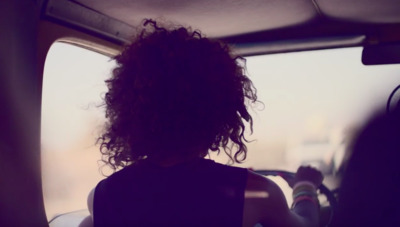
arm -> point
(272, 210)
(88, 221)
(90, 200)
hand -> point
(307, 173)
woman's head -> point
(174, 92)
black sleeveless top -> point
(196, 193)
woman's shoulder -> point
(264, 200)
(125, 174)
(214, 164)
(257, 182)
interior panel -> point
(368, 11)
(215, 18)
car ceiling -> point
(253, 22)
(221, 18)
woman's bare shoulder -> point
(264, 200)
(258, 182)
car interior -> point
(320, 68)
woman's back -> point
(196, 193)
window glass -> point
(71, 121)
(313, 103)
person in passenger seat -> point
(369, 190)
(173, 97)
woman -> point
(174, 97)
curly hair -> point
(173, 90)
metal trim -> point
(87, 19)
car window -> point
(313, 102)
(73, 84)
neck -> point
(174, 160)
